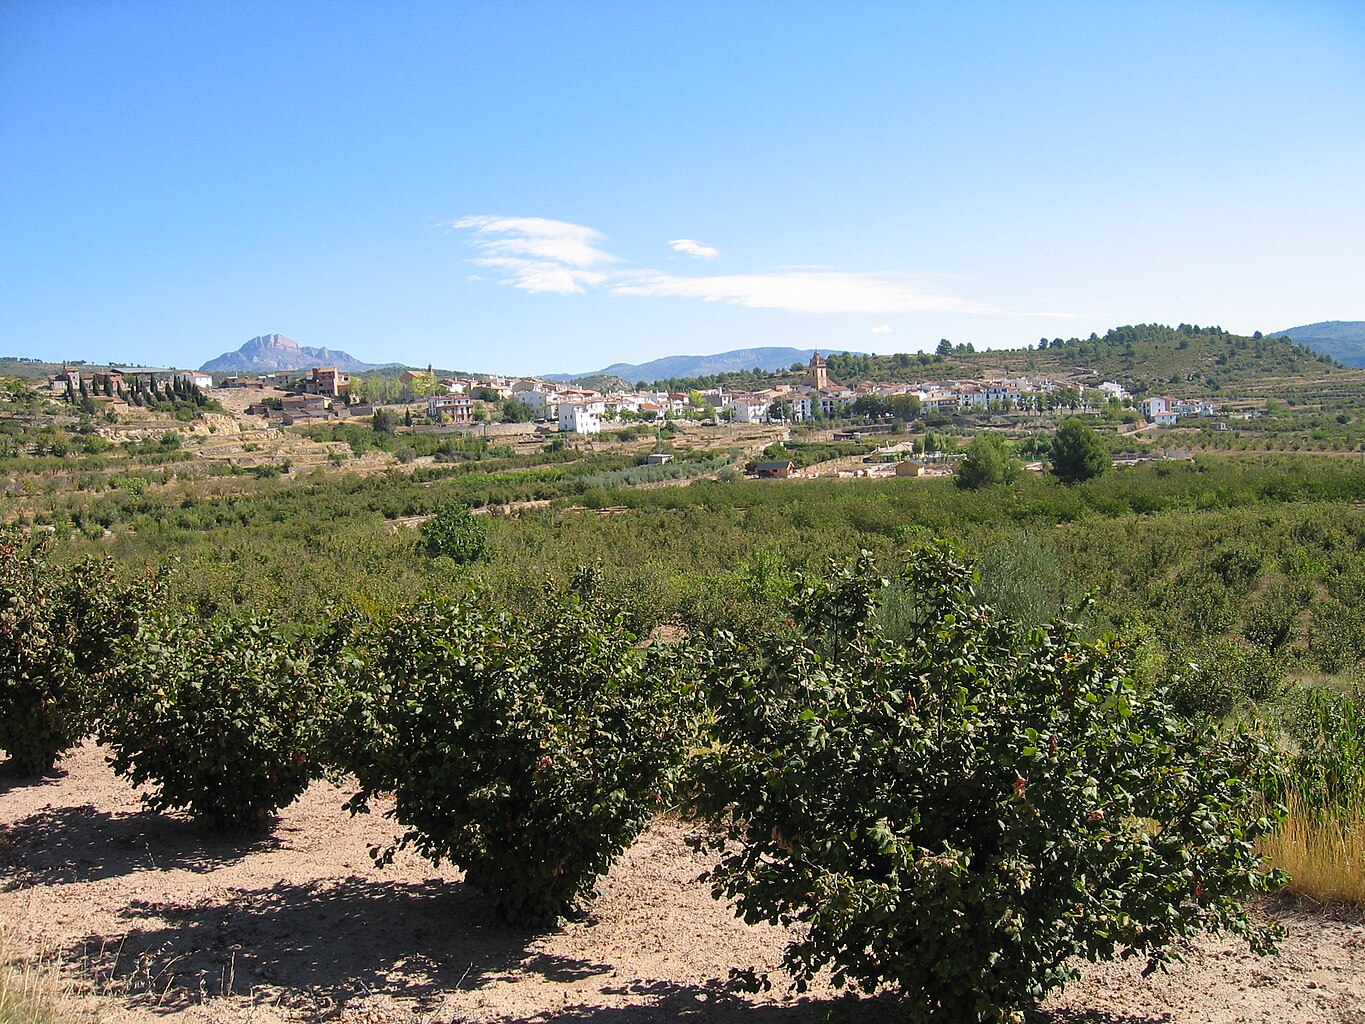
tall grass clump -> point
(31, 993)
(1322, 841)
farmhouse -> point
(774, 470)
(303, 409)
(195, 377)
(450, 408)
(328, 380)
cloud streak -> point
(536, 254)
(694, 248)
(805, 292)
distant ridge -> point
(1343, 340)
(273, 352)
(766, 359)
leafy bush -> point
(1338, 636)
(457, 533)
(527, 750)
(1272, 622)
(221, 718)
(961, 814)
(1022, 576)
(1222, 676)
(58, 626)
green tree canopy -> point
(988, 461)
(514, 410)
(1078, 453)
(904, 407)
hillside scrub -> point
(960, 814)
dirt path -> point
(161, 922)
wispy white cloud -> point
(536, 254)
(882, 329)
(805, 292)
(694, 248)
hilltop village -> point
(326, 393)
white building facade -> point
(579, 418)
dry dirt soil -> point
(156, 921)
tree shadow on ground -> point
(316, 945)
(716, 1003)
(11, 777)
(83, 844)
(313, 947)
(1091, 1017)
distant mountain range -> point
(766, 359)
(1343, 340)
(273, 352)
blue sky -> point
(554, 186)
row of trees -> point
(950, 804)
(1077, 453)
(173, 396)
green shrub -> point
(1337, 640)
(961, 814)
(1022, 577)
(1272, 622)
(456, 533)
(58, 627)
(528, 751)
(1221, 676)
(220, 718)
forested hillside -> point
(1343, 340)
(1145, 358)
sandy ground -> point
(156, 920)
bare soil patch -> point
(155, 919)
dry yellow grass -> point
(1325, 858)
(32, 993)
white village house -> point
(580, 417)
